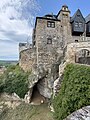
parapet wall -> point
(73, 49)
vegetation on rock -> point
(14, 80)
(75, 91)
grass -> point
(74, 92)
(27, 112)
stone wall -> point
(27, 59)
(74, 48)
(47, 54)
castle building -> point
(55, 39)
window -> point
(65, 15)
(76, 40)
(49, 40)
(80, 24)
(51, 24)
(76, 24)
(34, 42)
(78, 15)
(85, 53)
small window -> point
(49, 40)
(34, 42)
(76, 40)
(51, 24)
(78, 15)
(80, 24)
(65, 15)
(76, 24)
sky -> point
(17, 18)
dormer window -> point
(76, 24)
(80, 24)
(51, 24)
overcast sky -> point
(16, 23)
(17, 19)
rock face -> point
(82, 114)
(44, 89)
(11, 101)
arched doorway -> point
(83, 57)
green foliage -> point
(14, 80)
(75, 91)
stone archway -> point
(83, 57)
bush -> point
(14, 80)
(75, 91)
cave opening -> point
(36, 97)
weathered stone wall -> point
(74, 48)
(47, 54)
(27, 59)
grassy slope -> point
(27, 112)
(75, 91)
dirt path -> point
(25, 111)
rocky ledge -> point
(82, 114)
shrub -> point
(14, 80)
(75, 91)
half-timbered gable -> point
(78, 23)
(88, 25)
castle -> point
(56, 39)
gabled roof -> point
(87, 18)
(76, 13)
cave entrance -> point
(36, 97)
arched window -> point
(83, 57)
